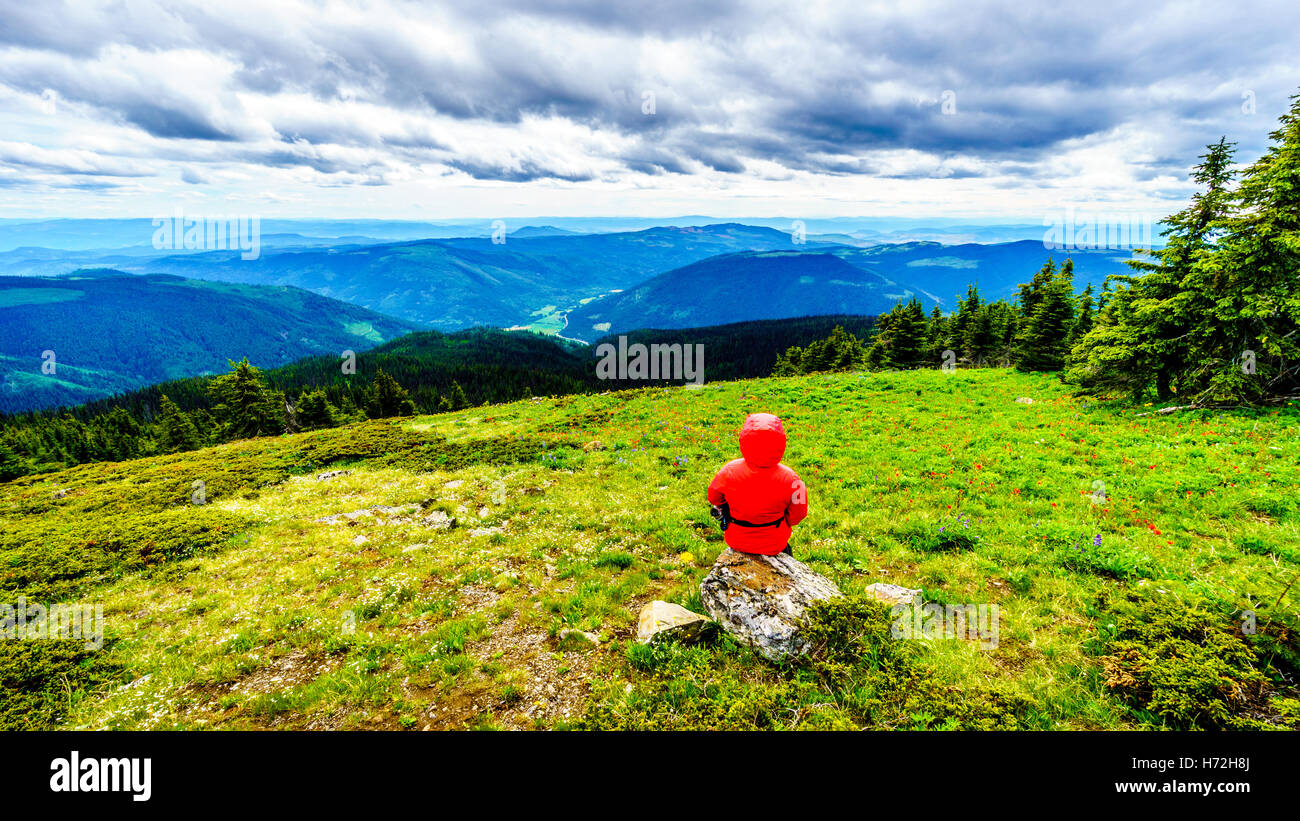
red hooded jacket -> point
(759, 489)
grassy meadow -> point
(1124, 552)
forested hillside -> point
(73, 339)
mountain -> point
(459, 283)
(540, 231)
(112, 332)
(739, 287)
(945, 271)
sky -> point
(458, 110)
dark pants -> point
(788, 551)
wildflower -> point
(1096, 540)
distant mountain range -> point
(458, 283)
(149, 317)
(109, 234)
(740, 287)
(111, 332)
(945, 271)
(540, 274)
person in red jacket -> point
(758, 499)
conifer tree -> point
(1145, 331)
(314, 411)
(176, 431)
(1048, 320)
(388, 398)
(243, 405)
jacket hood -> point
(762, 440)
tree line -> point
(1212, 318)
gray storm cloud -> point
(893, 90)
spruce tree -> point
(1249, 347)
(1145, 330)
(176, 431)
(1048, 320)
(314, 411)
(388, 398)
(243, 405)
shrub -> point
(1175, 662)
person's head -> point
(762, 440)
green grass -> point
(249, 613)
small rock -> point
(320, 477)
(762, 600)
(894, 593)
(360, 540)
(454, 484)
(1025, 400)
(578, 637)
(484, 531)
(413, 547)
(439, 519)
(484, 512)
(59, 494)
(594, 444)
(660, 617)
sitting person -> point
(757, 499)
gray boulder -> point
(762, 600)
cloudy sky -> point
(667, 107)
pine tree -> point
(314, 411)
(1145, 330)
(936, 334)
(1043, 337)
(458, 398)
(243, 405)
(388, 398)
(1251, 274)
(968, 309)
(175, 429)
(1083, 317)
(841, 351)
(901, 339)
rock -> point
(439, 519)
(762, 600)
(1024, 400)
(659, 618)
(358, 541)
(578, 638)
(351, 516)
(484, 512)
(894, 593)
(320, 477)
(485, 531)
(455, 483)
(594, 444)
(60, 494)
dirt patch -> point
(292, 670)
(539, 694)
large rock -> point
(762, 600)
(662, 619)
